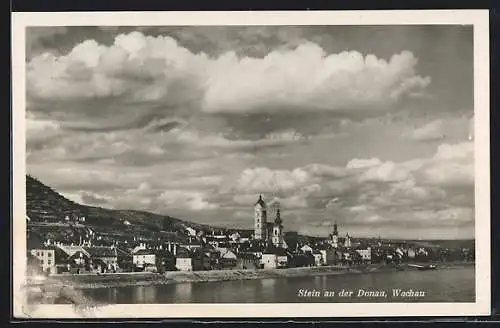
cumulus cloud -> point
(139, 68)
(266, 180)
(429, 132)
(334, 82)
(192, 200)
(370, 190)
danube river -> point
(455, 284)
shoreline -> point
(113, 280)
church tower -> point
(335, 236)
(277, 238)
(260, 219)
(347, 242)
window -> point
(49, 254)
(37, 253)
(49, 262)
(41, 253)
(41, 261)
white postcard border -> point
(478, 18)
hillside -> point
(45, 204)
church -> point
(269, 232)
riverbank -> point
(88, 281)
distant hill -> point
(45, 204)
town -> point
(75, 244)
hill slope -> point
(45, 204)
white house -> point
(318, 258)
(46, 257)
(269, 260)
(366, 254)
(306, 248)
(282, 261)
(141, 246)
(191, 232)
(143, 258)
(184, 263)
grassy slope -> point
(44, 202)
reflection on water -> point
(144, 294)
(444, 285)
(183, 292)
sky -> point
(366, 126)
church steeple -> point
(260, 201)
(260, 219)
(335, 231)
(278, 221)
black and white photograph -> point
(273, 163)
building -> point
(318, 258)
(273, 258)
(247, 261)
(143, 258)
(107, 255)
(306, 249)
(277, 235)
(365, 253)
(334, 237)
(46, 257)
(260, 219)
(183, 260)
(329, 256)
(347, 241)
(228, 260)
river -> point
(455, 284)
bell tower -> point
(277, 238)
(260, 219)
(335, 236)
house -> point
(165, 261)
(46, 257)
(411, 253)
(106, 254)
(365, 253)
(124, 260)
(306, 249)
(247, 261)
(191, 232)
(79, 262)
(318, 258)
(72, 249)
(329, 256)
(301, 259)
(235, 237)
(143, 257)
(274, 258)
(269, 261)
(139, 247)
(184, 260)
(202, 259)
(228, 258)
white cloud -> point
(387, 171)
(262, 179)
(429, 132)
(334, 82)
(191, 200)
(157, 69)
(357, 163)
